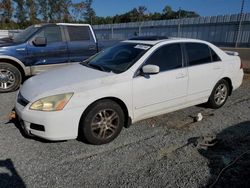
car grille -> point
(21, 100)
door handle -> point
(92, 47)
(217, 68)
(62, 49)
(180, 75)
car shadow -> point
(231, 153)
(9, 176)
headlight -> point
(52, 103)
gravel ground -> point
(164, 151)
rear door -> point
(81, 42)
(204, 69)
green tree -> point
(168, 13)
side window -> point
(78, 33)
(52, 34)
(167, 57)
(215, 57)
(198, 53)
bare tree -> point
(32, 6)
(6, 9)
(21, 13)
(43, 9)
(141, 12)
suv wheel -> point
(10, 78)
(102, 122)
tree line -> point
(18, 14)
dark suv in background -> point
(42, 47)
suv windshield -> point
(26, 34)
(118, 58)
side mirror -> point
(150, 69)
(40, 41)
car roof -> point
(68, 24)
(73, 24)
(153, 42)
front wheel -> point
(102, 122)
(10, 78)
(219, 95)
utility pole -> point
(112, 31)
(140, 27)
(179, 25)
(240, 23)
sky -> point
(202, 7)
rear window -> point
(79, 33)
(198, 53)
(215, 57)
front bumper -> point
(54, 126)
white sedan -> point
(131, 81)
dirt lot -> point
(160, 152)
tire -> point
(10, 78)
(102, 122)
(219, 95)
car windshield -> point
(118, 58)
(25, 35)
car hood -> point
(71, 78)
(4, 42)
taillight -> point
(241, 65)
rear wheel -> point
(219, 95)
(102, 122)
(10, 77)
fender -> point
(26, 70)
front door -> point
(156, 94)
(53, 54)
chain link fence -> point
(220, 30)
(223, 31)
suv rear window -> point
(78, 33)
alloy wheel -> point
(221, 93)
(105, 124)
(7, 79)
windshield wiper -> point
(94, 66)
(85, 63)
(99, 67)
